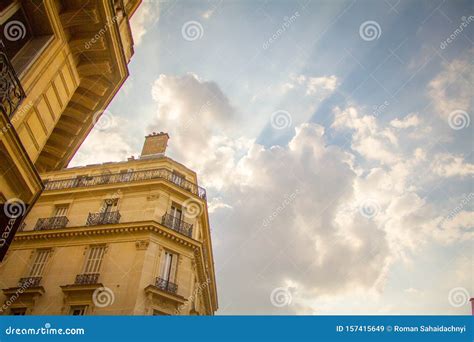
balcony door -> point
(176, 216)
(168, 267)
(41, 258)
(95, 254)
(60, 210)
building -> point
(116, 238)
(61, 63)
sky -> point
(334, 139)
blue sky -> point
(333, 137)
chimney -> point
(155, 144)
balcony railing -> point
(132, 176)
(57, 222)
(177, 224)
(109, 217)
(87, 279)
(166, 285)
(11, 91)
(29, 282)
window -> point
(110, 205)
(176, 214)
(14, 29)
(168, 266)
(41, 258)
(94, 259)
(18, 312)
(25, 31)
(78, 310)
(60, 210)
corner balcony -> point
(57, 222)
(87, 279)
(110, 217)
(177, 224)
(11, 91)
(127, 177)
(166, 285)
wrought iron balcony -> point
(109, 217)
(166, 285)
(11, 91)
(57, 222)
(87, 279)
(133, 176)
(29, 282)
(177, 224)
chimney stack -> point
(155, 144)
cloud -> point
(450, 165)
(314, 85)
(145, 16)
(367, 139)
(294, 216)
(107, 142)
(411, 120)
(451, 89)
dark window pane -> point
(15, 33)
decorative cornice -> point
(109, 229)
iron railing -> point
(109, 217)
(11, 91)
(166, 285)
(21, 227)
(29, 282)
(87, 279)
(177, 224)
(57, 222)
(132, 176)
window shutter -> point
(162, 265)
(174, 264)
(39, 263)
(94, 259)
